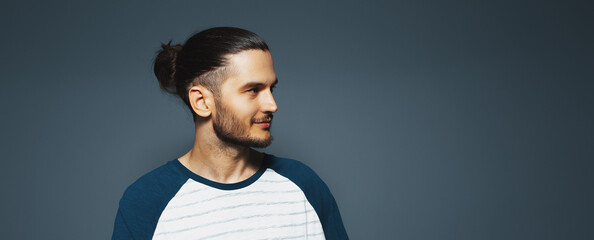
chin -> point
(263, 142)
(266, 138)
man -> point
(222, 188)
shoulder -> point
(288, 166)
(316, 191)
(303, 176)
(296, 171)
(143, 202)
(154, 184)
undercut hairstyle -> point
(202, 60)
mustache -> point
(266, 118)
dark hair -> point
(202, 60)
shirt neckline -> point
(224, 186)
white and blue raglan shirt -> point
(285, 199)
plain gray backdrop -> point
(427, 119)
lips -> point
(264, 122)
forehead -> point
(251, 66)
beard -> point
(228, 127)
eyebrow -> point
(258, 84)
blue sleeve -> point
(144, 201)
(317, 192)
(330, 215)
(120, 229)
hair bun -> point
(165, 66)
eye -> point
(252, 90)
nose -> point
(268, 104)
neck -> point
(220, 161)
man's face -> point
(243, 113)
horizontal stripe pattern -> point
(272, 207)
(235, 231)
(310, 236)
(233, 219)
(234, 207)
(235, 194)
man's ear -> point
(201, 100)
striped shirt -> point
(285, 199)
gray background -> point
(427, 119)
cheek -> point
(243, 110)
